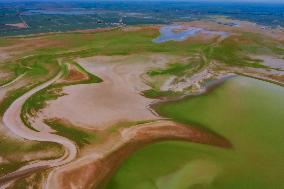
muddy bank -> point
(95, 173)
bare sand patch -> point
(271, 61)
(4, 55)
(21, 25)
(116, 99)
(4, 75)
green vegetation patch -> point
(4, 41)
(10, 167)
(153, 93)
(119, 42)
(36, 65)
(12, 161)
(22, 184)
(81, 137)
(11, 97)
(230, 52)
(38, 101)
(34, 181)
(38, 70)
(173, 69)
(8, 147)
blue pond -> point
(181, 33)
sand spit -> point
(94, 169)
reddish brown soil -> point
(279, 78)
(75, 75)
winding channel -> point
(12, 120)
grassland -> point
(232, 51)
(37, 69)
(154, 93)
(79, 136)
(25, 152)
(251, 117)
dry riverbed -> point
(101, 108)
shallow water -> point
(168, 33)
(246, 111)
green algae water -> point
(248, 112)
